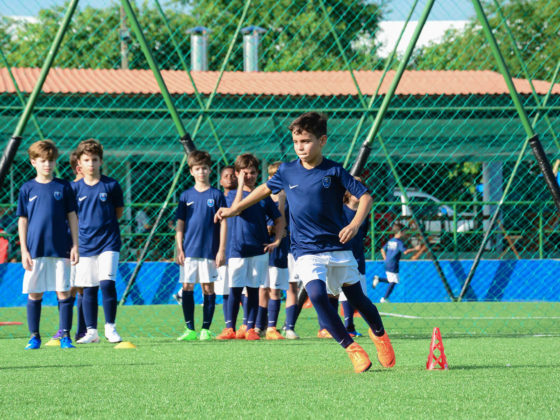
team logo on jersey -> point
(327, 182)
(210, 202)
(57, 195)
(103, 197)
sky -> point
(395, 9)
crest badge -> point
(210, 202)
(326, 182)
(57, 195)
(103, 197)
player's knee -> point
(189, 287)
(35, 296)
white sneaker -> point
(291, 335)
(375, 281)
(383, 300)
(91, 337)
(111, 334)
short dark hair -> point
(74, 161)
(199, 157)
(91, 147)
(44, 149)
(312, 122)
(246, 160)
(226, 167)
(397, 227)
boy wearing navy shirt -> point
(100, 205)
(46, 207)
(320, 238)
(200, 243)
(248, 245)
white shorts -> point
(342, 296)
(72, 275)
(198, 270)
(248, 272)
(278, 278)
(221, 285)
(91, 270)
(47, 274)
(392, 277)
(334, 268)
(292, 268)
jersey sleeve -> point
(402, 248)
(182, 208)
(117, 195)
(276, 183)
(271, 209)
(230, 197)
(355, 188)
(22, 203)
(69, 199)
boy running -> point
(320, 238)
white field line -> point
(468, 317)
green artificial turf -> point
(494, 373)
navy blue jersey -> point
(197, 210)
(394, 249)
(357, 242)
(98, 226)
(46, 207)
(247, 233)
(279, 255)
(315, 198)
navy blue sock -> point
(273, 311)
(334, 303)
(389, 290)
(262, 317)
(90, 306)
(188, 308)
(80, 312)
(348, 316)
(225, 299)
(245, 310)
(252, 306)
(369, 312)
(233, 306)
(109, 298)
(317, 291)
(291, 317)
(34, 316)
(208, 310)
(66, 310)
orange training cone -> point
(307, 304)
(435, 361)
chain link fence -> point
(239, 72)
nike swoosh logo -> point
(82, 198)
(293, 186)
(32, 198)
(191, 203)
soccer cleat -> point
(206, 335)
(260, 332)
(91, 337)
(226, 334)
(354, 334)
(375, 281)
(324, 334)
(358, 357)
(66, 343)
(385, 352)
(178, 296)
(252, 335)
(383, 300)
(273, 334)
(188, 335)
(290, 335)
(241, 333)
(58, 335)
(34, 343)
(79, 335)
(111, 334)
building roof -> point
(312, 83)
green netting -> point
(454, 153)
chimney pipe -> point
(251, 40)
(199, 48)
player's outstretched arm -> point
(259, 193)
(73, 224)
(26, 260)
(364, 206)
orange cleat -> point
(273, 334)
(385, 352)
(252, 335)
(226, 334)
(359, 357)
(241, 333)
(324, 334)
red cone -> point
(436, 357)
